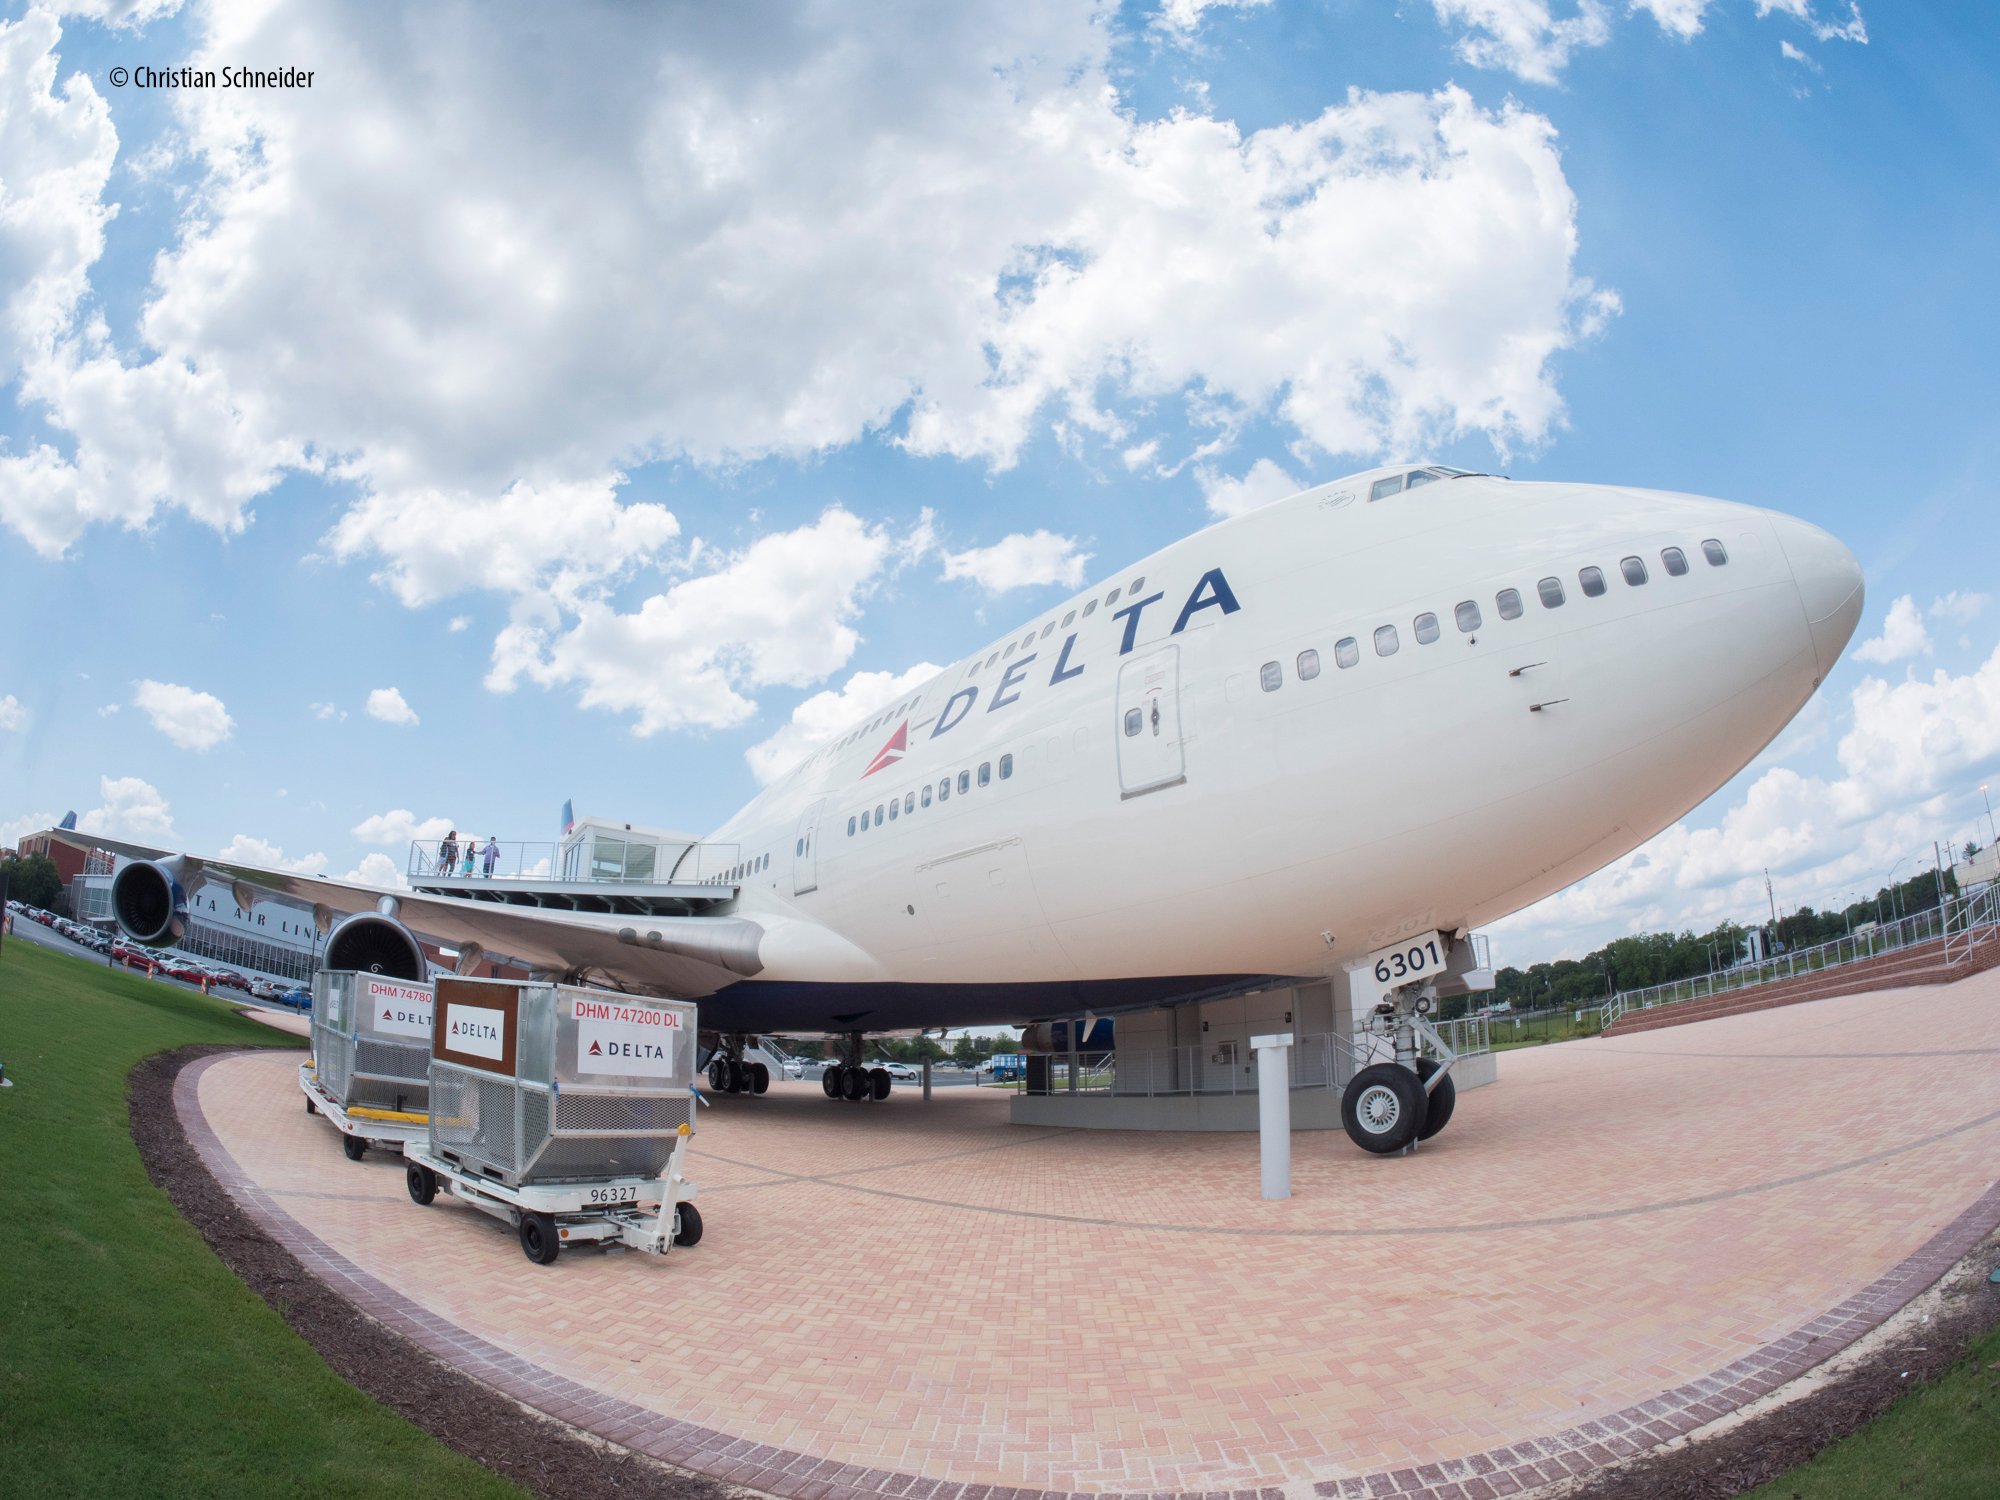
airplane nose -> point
(1830, 587)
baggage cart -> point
(371, 1046)
(563, 1112)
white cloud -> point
(192, 720)
(779, 612)
(400, 827)
(1903, 634)
(1849, 28)
(1681, 18)
(824, 717)
(1022, 560)
(245, 849)
(459, 623)
(107, 710)
(1525, 36)
(326, 711)
(133, 809)
(387, 705)
(1957, 608)
(378, 870)
(14, 829)
(1909, 752)
(1183, 18)
(1264, 482)
(12, 715)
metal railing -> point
(627, 862)
(1326, 1060)
(1919, 927)
(1969, 922)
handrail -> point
(637, 863)
(1973, 920)
(1919, 927)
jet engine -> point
(370, 943)
(149, 901)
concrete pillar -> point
(1274, 1111)
(927, 1080)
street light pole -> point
(1991, 836)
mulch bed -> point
(547, 1458)
(542, 1456)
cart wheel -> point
(760, 1078)
(539, 1241)
(687, 1225)
(878, 1082)
(311, 1108)
(1443, 1097)
(422, 1183)
(354, 1146)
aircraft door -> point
(1149, 723)
(805, 851)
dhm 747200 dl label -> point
(625, 1039)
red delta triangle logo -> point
(596, 1050)
(889, 754)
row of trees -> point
(968, 1051)
(34, 880)
(1631, 963)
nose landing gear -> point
(1388, 1107)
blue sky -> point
(639, 397)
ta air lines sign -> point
(395, 1009)
(628, 1040)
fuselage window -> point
(1675, 561)
(1308, 665)
(944, 790)
(1111, 598)
(1006, 766)
(1069, 619)
(986, 773)
(1011, 649)
(894, 808)
(1048, 629)
(909, 802)
(1633, 569)
(1427, 628)
(1027, 640)
(964, 782)
(1551, 590)
(1382, 489)
(1134, 721)
(1592, 580)
(1508, 602)
(1712, 550)
(1090, 609)
(1271, 676)
(878, 815)
(927, 794)
(801, 846)
(1134, 586)
(993, 658)
(864, 821)
(1386, 643)
(1467, 615)
(1346, 652)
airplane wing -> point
(686, 957)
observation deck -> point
(615, 870)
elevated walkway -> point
(619, 871)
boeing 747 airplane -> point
(1407, 702)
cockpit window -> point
(1382, 489)
(1423, 476)
(1713, 551)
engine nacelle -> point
(370, 943)
(149, 902)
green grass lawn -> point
(1941, 1442)
(132, 1362)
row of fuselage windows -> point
(749, 867)
(909, 804)
(1388, 641)
(1053, 625)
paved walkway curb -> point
(1577, 1451)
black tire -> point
(760, 1078)
(718, 1075)
(354, 1146)
(829, 1080)
(539, 1240)
(879, 1083)
(1443, 1099)
(1383, 1108)
(855, 1084)
(422, 1183)
(687, 1226)
(311, 1108)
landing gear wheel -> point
(1383, 1108)
(718, 1074)
(732, 1076)
(855, 1085)
(539, 1241)
(1444, 1098)
(829, 1080)
(422, 1183)
(354, 1146)
(760, 1078)
(687, 1226)
(879, 1082)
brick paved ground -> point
(1617, 1242)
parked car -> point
(297, 999)
(897, 1070)
(264, 989)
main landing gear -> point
(730, 1073)
(1389, 1106)
(851, 1079)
